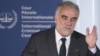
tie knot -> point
(63, 40)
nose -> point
(68, 22)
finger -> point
(87, 31)
(94, 30)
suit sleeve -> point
(30, 49)
(96, 54)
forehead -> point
(68, 10)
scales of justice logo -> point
(8, 20)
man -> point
(49, 43)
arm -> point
(30, 49)
(91, 39)
(97, 53)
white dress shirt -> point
(59, 42)
(67, 43)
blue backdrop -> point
(19, 19)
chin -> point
(65, 35)
(68, 33)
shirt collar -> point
(58, 36)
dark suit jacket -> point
(43, 44)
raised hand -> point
(91, 38)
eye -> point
(64, 17)
(74, 19)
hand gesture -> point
(91, 38)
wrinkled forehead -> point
(67, 7)
(68, 4)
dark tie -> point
(63, 48)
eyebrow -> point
(75, 18)
(64, 16)
(67, 16)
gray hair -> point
(68, 4)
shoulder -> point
(43, 33)
(78, 34)
(79, 37)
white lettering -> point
(26, 7)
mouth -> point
(68, 27)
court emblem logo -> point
(8, 20)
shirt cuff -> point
(93, 50)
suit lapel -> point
(73, 48)
(52, 43)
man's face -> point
(66, 20)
